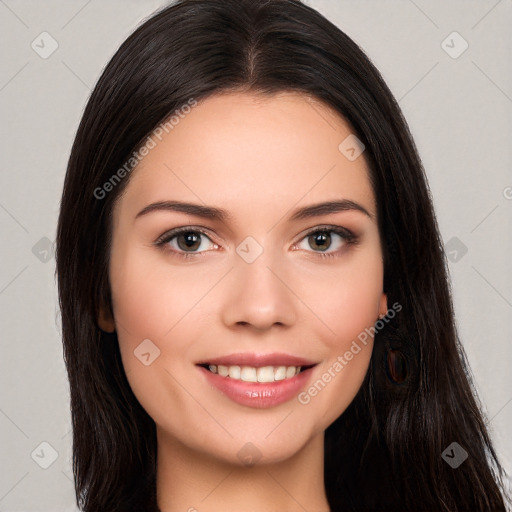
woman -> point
(255, 304)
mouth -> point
(258, 380)
(262, 374)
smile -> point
(253, 374)
(258, 381)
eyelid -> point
(181, 229)
(348, 236)
(166, 237)
(342, 231)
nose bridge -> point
(257, 294)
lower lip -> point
(259, 395)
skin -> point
(260, 158)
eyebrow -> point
(207, 212)
(316, 210)
(219, 214)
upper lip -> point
(257, 360)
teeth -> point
(251, 374)
(248, 374)
(266, 374)
(234, 372)
(280, 373)
(291, 371)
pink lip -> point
(258, 360)
(260, 395)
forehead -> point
(246, 150)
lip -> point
(258, 395)
(258, 360)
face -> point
(245, 264)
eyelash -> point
(348, 237)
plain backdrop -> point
(449, 65)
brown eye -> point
(189, 241)
(182, 240)
(321, 240)
(327, 241)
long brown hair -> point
(385, 451)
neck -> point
(192, 481)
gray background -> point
(459, 111)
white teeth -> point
(280, 373)
(266, 374)
(248, 374)
(252, 374)
(291, 371)
(234, 372)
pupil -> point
(320, 241)
(191, 240)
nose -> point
(259, 295)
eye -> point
(186, 240)
(327, 240)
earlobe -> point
(105, 321)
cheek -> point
(348, 307)
(151, 304)
(150, 298)
(354, 306)
(347, 354)
(338, 382)
(345, 298)
(157, 302)
(146, 307)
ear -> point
(105, 320)
(383, 305)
